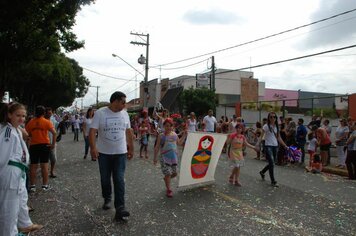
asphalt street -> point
(304, 204)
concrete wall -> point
(249, 90)
(261, 89)
(153, 91)
(352, 106)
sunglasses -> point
(274, 117)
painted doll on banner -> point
(202, 157)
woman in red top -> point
(324, 143)
(144, 141)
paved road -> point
(305, 204)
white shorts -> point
(237, 163)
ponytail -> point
(3, 113)
(9, 109)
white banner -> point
(200, 158)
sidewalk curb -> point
(335, 171)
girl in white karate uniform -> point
(14, 158)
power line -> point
(108, 76)
(260, 39)
(293, 36)
(287, 60)
(133, 90)
(130, 80)
(91, 93)
(340, 55)
(181, 67)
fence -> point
(329, 107)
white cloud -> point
(211, 16)
(334, 31)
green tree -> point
(197, 100)
(32, 36)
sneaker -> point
(32, 188)
(106, 205)
(169, 193)
(274, 184)
(262, 175)
(46, 187)
(122, 213)
(31, 228)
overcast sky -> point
(185, 29)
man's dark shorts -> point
(39, 153)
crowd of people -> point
(277, 140)
(109, 134)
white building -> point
(231, 87)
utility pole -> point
(97, 95)
(212, 73)
(143, 60)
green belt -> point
(20, 165)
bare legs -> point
(44, 172)
(324, 157)
(167, 181)
(234, 177)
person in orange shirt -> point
(40, 146)
(316, 166)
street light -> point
(114, 55)
(141, 60)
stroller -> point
(293, 154)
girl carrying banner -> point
(167, 142)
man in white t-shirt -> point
(53, 152)
(233, 124)
(114, 145)
(210, 121)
